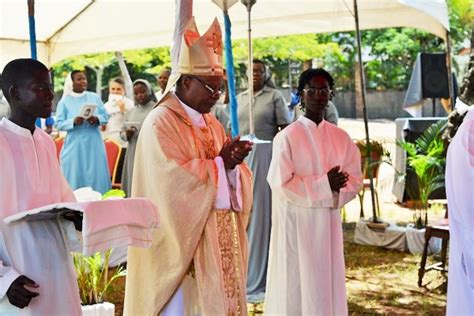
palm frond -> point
(410, 148)
(429, 135)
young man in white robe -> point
(36, 272)
(315, 170)
(460, 192)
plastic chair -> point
(113, 150)
(59, 145)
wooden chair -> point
(366, 186)
(113, 150)
(440, 230)
(59, 145)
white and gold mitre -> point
(201, 55)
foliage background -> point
(388, 55)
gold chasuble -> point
(174, 167)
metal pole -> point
(32, 26)
(450, 70)
(364, 106)
(289, 78)
(250, 72)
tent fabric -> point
(73, 27)
(413, 102)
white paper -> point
(87, 110)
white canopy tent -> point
(73, 27)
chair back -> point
(113, 150)
(59, 145)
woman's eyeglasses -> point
(213, 91)
(317, 91)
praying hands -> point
(234, 152)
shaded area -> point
(383, 281)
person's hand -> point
(130, 132)
(78, 120)
(18, 295)
(93, 120)
(337, 179)
(121, 105)
(234, 151)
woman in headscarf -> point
(144, 102)
(83, 158)
(270, 113)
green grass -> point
(384, 282)
(378, 282)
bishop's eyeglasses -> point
(211, 90)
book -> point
(87, 110)
(51, 211)
(105, 224)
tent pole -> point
(249, 4)
(364, 106)
(31, 22)
(450, 69)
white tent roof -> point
(66, 28)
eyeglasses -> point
(315, 91)
(213, 91)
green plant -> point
(93, 276)
(114, 193)
(426, 157)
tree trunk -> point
(98, 86)
(359, 110)
(307, 64)
(125, 75)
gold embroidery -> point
(208, 143)
(229, 250)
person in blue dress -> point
(83, 158)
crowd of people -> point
(180, 156)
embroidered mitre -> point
(199, 55)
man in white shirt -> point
(36, 271)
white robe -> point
(30, 177)
(460, 192)
(306, 272)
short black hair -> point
(308, 74)
(259, 61)
(17, 72)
